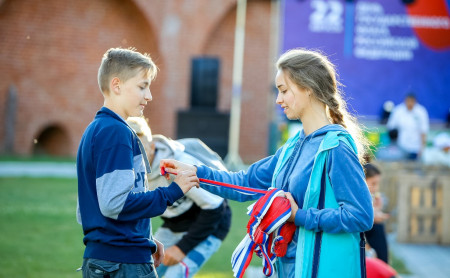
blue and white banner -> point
(383, 49)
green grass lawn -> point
(36, 158)
(39, 235)
(398, 264)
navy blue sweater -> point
(114, 206)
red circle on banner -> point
(431, 23)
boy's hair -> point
(140, 126)
(124, 64)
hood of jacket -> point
(319, 133)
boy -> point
(114, 206)
(194, 226)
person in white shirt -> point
(412, 123)
(439, 153)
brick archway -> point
(53, 140)
(51, 51)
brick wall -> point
(50, 51)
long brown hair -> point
(311, 70)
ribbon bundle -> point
(268, 233)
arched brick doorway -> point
(53, 140)
(51, 50)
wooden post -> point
(404, 199)
(445, 239)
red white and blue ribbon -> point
(268, 214)
(186, 269)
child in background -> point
(376, 268)
(194, 226)
(376, 237)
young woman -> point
(319, 169)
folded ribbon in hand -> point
(268, 233)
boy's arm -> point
(151, 203)
(121, 195)
(124, 204)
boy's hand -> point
(158, 256)
(175, 167)
(186, 180)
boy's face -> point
(134, 95)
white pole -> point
(233, 160)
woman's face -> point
(294, 100)
(373, 183)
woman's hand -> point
(294, 207)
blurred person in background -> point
(411, 121)
(194, 226)
(439, 153)
(376, 237)
(391, 152)
(386, 111)
(376, 268)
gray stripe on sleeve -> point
(112, 191)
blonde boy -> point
(114, 205)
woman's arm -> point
(355, 211)
(258, 175)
